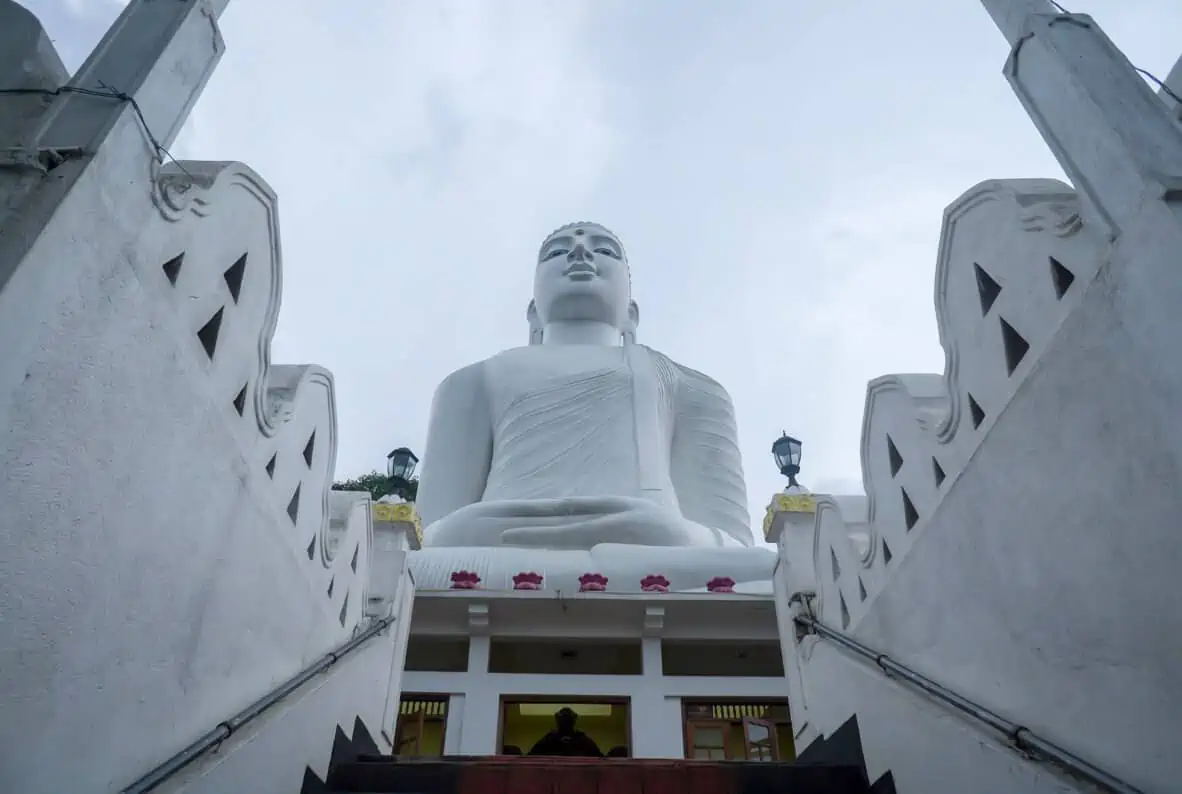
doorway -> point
(738, 731)
(422, 726)
(525, 720)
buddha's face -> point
(582, 276)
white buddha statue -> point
(584, 452)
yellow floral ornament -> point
(395, 513)
(787, 503)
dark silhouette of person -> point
(565, 739)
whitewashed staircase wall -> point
(169, 525)
(220, 264)
(1012, 261)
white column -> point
(650, 657)
(481, 708)
(453, 729)
(803, 731)
(159, 53)
(656, 719)
(401, 610)
(1104, 124)
(1010, 15)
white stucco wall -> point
(1056, 563)
(154, 580)
(927, 749)
(270, 755)
(1038, 578)
(1004, 248)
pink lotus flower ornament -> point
(654, 583)
(721, 584)
(592, 583)
(527, 580)
(465, 580)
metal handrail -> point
(1023, 739)
(225, 730)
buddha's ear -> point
(535, 324)
(630, 325)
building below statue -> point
(648, 675)
(659, 652)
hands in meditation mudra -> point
(584, 451)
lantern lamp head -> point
(400, 465)
(786, 451)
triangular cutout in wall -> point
(987, 289)
(233, 277)
(896, 460)
(1061, 277)
(208, 334)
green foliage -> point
(378, 485)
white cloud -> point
(777, 170)
(419, 150)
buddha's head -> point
(582, 276)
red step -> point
(539, 775)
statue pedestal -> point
(624, 565)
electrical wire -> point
(105, 92)
(1165, 89)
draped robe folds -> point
(607, 450)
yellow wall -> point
(787, 745)
(431, 743)
(523, 732)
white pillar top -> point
(159, 54)
(1010, 15)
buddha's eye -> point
(556, 252)
(607, 252)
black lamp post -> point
(786, 451)
(400, 468)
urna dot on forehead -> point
(579, 227)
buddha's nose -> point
(579, 253)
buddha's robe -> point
(571, 446)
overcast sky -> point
(777, 171)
